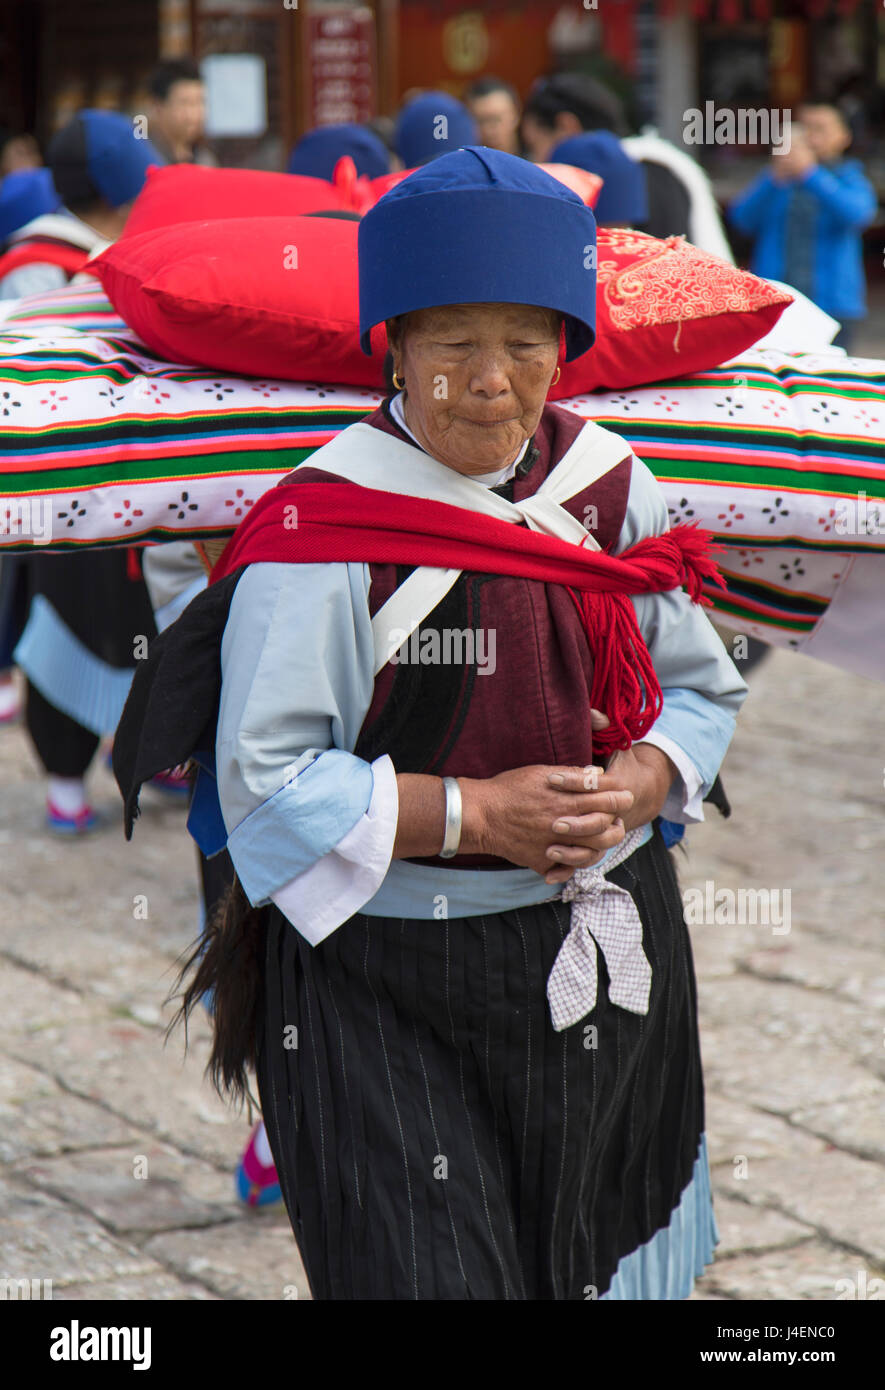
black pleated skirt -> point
(435, 1138)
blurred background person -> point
(317, 152)
(18, 151)
(680, 197)
(77, 650)
(564, 105)
(98, 168)
(496, 108)
(25, 195)
(430, 125)
(806, 214)
(26, 192)
(177, 112)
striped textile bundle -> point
(81, 305)
(780, 456)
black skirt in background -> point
(436, 1139)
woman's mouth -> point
(488, 424)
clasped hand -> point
(558, 819)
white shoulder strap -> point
(373, 458)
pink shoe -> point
(172, 783)
(257, 1183)
(80, 824)
(10, 710)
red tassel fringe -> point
(625, 686)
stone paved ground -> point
(792, 1031)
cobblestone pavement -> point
(116, 1158)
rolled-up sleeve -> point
(702, 688)
(297, 661)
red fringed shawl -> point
(313, 523)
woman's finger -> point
(597, 816)
(586, 779)
(558, 875)
(598, 844)
(596, 822)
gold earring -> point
(556, 378)
(399, 382)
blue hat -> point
(624, 196)
(479, 227)
(431, 125)
(24, 195)
(98, 154)
(317, 152)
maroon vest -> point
(531, 704)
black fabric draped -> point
(436, 1139)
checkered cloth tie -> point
(603, 915)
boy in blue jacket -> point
(806, 215)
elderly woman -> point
(444, 737)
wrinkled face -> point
(182, 115)
(824, 129)
(477, 377)
(497, 119)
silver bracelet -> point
(453, 819)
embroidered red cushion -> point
(192, 193)
(666, 309)
(256, 296)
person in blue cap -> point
(84, 610)
(97, 166)
(431, 125)
(464, 1097)
(680, 196)
(623, 198)
(317, 152)
(26, 198)
(25, 194)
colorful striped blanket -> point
(102, 443)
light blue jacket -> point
(297, 680)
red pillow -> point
(192, 193)
(366, 192)
(580, 181)
(230, 295)
(665, 309)
(254, 296)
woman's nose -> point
(490, 375)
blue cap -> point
(432, 125)
(24, 195)
(479, 227)
(624, 196)
(98, 154)
(317, 152)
